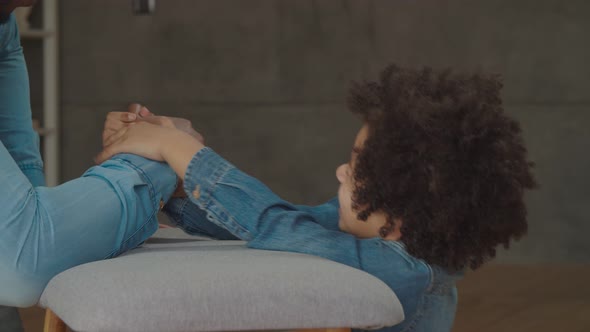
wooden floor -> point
(531, 298)
(501, 298)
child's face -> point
(349, 222)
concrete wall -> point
(265, 81)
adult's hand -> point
(144, 114)
(115, 121)
(140, 138)
(160, 143)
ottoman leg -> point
(53, 323)
(324, 330)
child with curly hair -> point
(434, 184)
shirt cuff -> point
(203, 173)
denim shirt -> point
(226, 203)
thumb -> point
(144, 112)
(134, 108)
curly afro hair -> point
(442, 156)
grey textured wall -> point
(265, 82)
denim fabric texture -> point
(44, 231)
(16, 127)
(224, 202)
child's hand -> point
(136, 113)
(176, 123)
(172, 140)
(116, 121)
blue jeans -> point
(44, 231)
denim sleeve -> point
(325, 214)
(252, 212)
(193, 220)
(16, 129)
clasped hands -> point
(140, 132)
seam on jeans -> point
(123, 243)
(152, 216)
(152, 194)
(141, 227)
(430, 285)
(35, 165)
(144, 176)
(31, 194)
(182, 211)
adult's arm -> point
(44, 231)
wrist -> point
(178, 149)
(176, 142)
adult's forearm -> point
(44, 231)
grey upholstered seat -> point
(217, 286)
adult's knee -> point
(20, 289)
(24, 270)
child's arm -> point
(193, 220)
(232, 199)
(325, 214)
(252, 212)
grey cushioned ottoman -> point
(218, 286)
